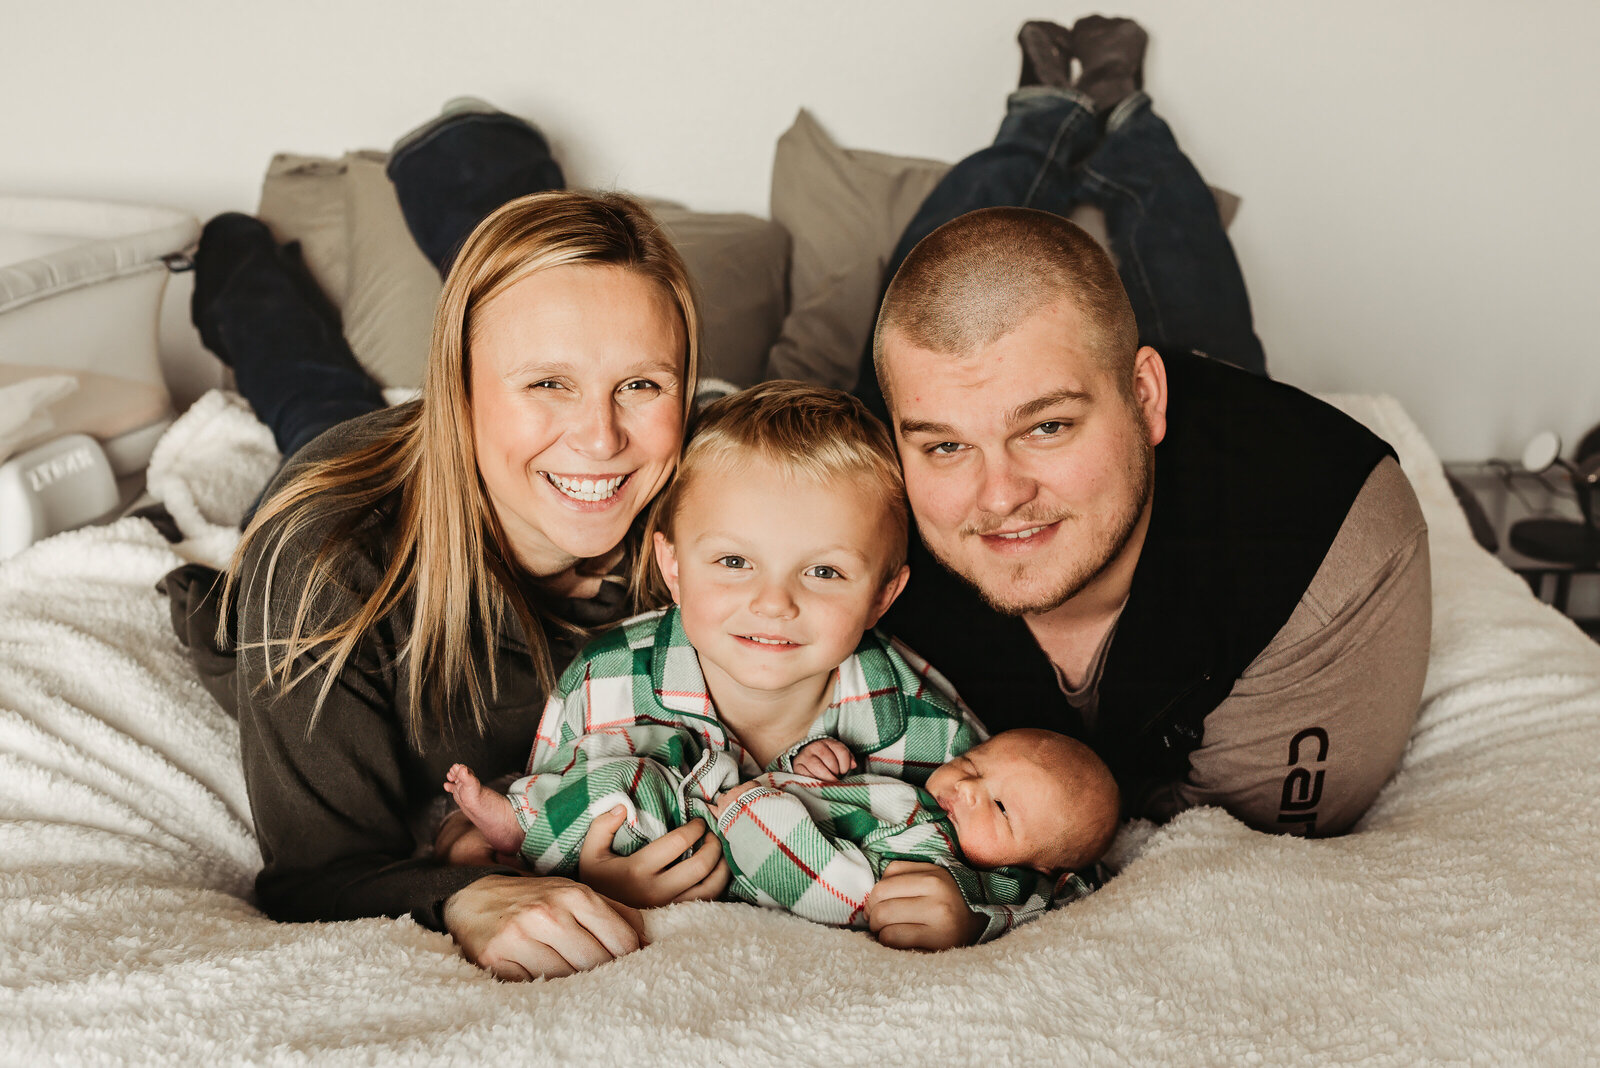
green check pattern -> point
(632, 724)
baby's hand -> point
(825, 759)
(730, 795)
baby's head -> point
(1029, 798)
(783, 537)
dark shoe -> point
(1046, 55)
(230, 243)
(453, 171)
(1111, 53)
(258, 308)
(236, 253)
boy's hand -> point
(659, 873)
(825, 759)
(919, 906)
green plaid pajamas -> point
(632, 724)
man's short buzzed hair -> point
(981, 275)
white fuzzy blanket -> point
(1459, 924)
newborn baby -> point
(1024, 799)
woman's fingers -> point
(519, 928)
(617, 927)
(580, 928)
(577, 944)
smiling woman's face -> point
(577, 407)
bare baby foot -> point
(490, 812)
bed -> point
(1457, 924)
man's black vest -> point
(1252, 482)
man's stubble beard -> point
(1099, 556)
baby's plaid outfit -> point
(632, 724)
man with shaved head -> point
(1125, 531)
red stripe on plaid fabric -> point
(950, 843)
(588, 703)
(579, 752)
(876, 758)
(591, 727)
(869, 695)
(697, 695)
(857, 906)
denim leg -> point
(1174, 257)
(296, 370)
(451, 173)
(261, 310)
(1045, 132)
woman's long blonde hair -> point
(447, 551)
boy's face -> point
(1005, 805)
(777, 577)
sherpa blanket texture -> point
(1460, 923)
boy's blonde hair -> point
(815, 433)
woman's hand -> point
(919, 906)
(459, 842)
(659, 873)
(522, 928)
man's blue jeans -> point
(1174, 257)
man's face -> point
(1028, 469)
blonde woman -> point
(416, 576)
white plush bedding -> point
(1461, 922)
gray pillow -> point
(356, 244)
(845, 210)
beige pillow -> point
(845, 210)
(302, 199)
(388, 316)
(738, 263)
(740, 266)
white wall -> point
(1416, 177)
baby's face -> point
(1006, 806)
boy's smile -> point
(777, 578)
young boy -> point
(781, 542)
